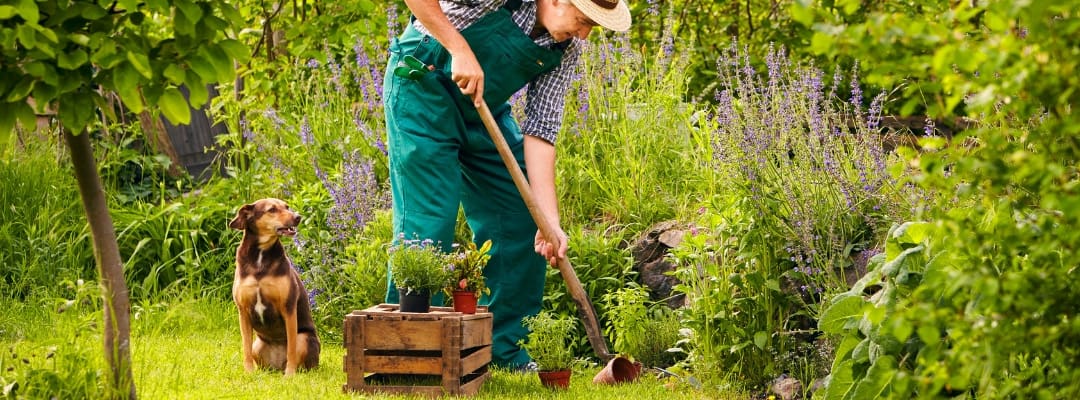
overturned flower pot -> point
(618, 370)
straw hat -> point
(610, 14)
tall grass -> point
(626, 156)
(43, 234)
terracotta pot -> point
(465, 301)
(412, 301)
(555, 379)
(618, 370)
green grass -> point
(190, 349)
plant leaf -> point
(845, 306)
(878, 379)
(174, 106)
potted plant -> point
(467, 276)
(548, 343)
(420, 268)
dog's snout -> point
(297, 217)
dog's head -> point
(269, 218)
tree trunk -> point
(117, 333)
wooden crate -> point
(435, 353)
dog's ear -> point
(242, 215)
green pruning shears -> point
(411, 68)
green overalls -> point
(441, 156)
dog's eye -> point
(272, 210)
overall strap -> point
(512, 5)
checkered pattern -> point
(546, 95)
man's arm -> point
(540, 166)
(466, 71)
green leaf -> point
(141, 64)
(861, 352)
(203, 67)
(6, 12)
(72, 60)
(928, 334)
(28, 10)
(761, 339)
(841, 381)
(174, 73)
(236, 50)
(911, 232)
(876, 384)
(21, 90)
(27, 36)
(843, 350)
(821, 43)
(844, 307)
(174, 106)
(849, 6)
(802, 13)
(198, 95)
(125, 82)
(222, 63)
(7, 123)
(191, 10)
(891, 268)
(76, 109)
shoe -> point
(526, 368)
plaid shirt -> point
(545, 95)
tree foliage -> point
(62, 56)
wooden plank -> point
(472, 387)
(394, 364)
(451, 354)
(477, 332)
(430, 391)
(354, 352)
(476, 360)
(403, 335)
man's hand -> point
(552, 251)
(467, 74)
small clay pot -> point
(465, 301)
(555, 379)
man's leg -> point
(496, 211)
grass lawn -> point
(190, 349)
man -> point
(453, 55)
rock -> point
(786, 387)
(649, 252)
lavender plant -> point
(802, 184)
(813, 166)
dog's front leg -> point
(292, 359)
(246, 339)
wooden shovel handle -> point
(585, 308)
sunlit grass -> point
(190, 349)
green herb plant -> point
(642, 329)
(548, 341)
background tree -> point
(61, 57)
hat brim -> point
(616, 19)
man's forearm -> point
(540, 166)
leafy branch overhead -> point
(59, 56)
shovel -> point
(585, 308)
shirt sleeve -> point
(545, 96)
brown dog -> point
(268, 292)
